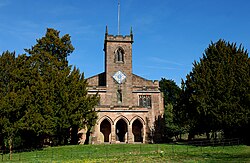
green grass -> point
(133, 153)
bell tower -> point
(118, 68)
(129, 104)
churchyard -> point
(134, 153)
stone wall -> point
(123, 121)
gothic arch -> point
(105, 129)
(137, 130)
(122, 117)
(119, 54)
(121, 130)
(135, 118)
(105, 117)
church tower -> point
(118, 68)
(129, 105)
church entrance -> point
(121, 130)
(105, 129)
(137, 129)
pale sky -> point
(168, 34)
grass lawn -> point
(133, 153)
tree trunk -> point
(208, 135)
(74, 136)
(10, 147)
(176, 137)
(87, 137)
(190, 136)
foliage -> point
(170, 90)
(41, 96)
(12, 97)
(216, 92)
(171, 95)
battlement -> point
(118, 38)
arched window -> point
(119, 55)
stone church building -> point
(129, 104)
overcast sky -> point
(168, 34)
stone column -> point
(97, 134)
(130, 134)
(144, 134)
(113, 134)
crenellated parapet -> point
(118, 38)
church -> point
(129, 104)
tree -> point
(216, 91)
(12, 98)
(63, 96)
(52, 46)
(41, 96)
(171, 95)
(170, 90)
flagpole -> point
(118, 17)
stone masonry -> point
(129, 104)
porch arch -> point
(105, 129)
(137, 130)
(105, 117)
(122, 117)
(139, 118)
(121, 130)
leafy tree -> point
(216, 91)
(171, 95)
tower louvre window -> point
(119, 55)
(145, 101)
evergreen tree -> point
(64, 104)
(171, 95)
(12, 98)
(217, 90)
(41, 96)
(170, 90)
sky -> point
(169, 35)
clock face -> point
(119, 77)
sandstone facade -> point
(129, 104)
